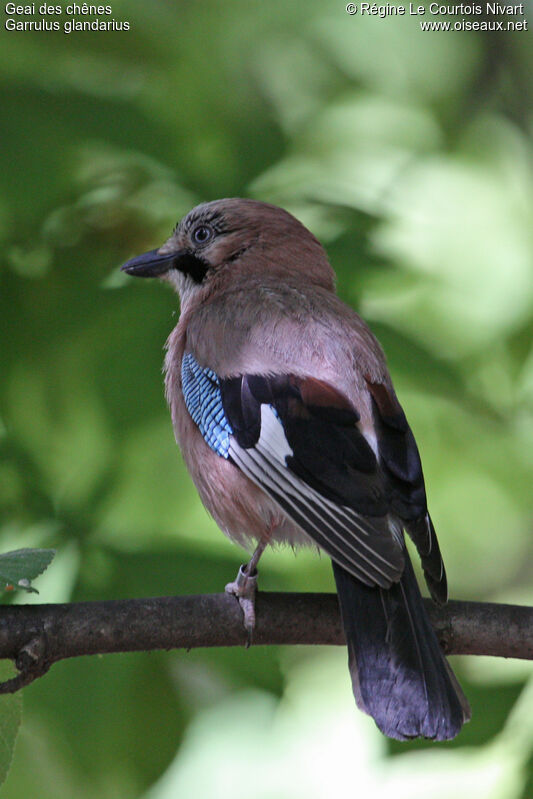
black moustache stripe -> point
(192, 265)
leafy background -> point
(410, 155)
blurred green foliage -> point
(410, 155)
(10, 719)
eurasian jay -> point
(288, 422)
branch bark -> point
(36, 636)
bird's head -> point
(229, 240)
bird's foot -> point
(244, 587)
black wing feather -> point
(328, 480)
(405, 481)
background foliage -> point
(410, 155)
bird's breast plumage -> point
(244, 512)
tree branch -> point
(36, 636)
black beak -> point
(150, 264)
(155, 264)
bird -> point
(286, 416)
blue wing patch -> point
(201, 391)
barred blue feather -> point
(201, 391)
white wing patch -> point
(369, 553)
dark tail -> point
(399, 674)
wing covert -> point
(312, 459)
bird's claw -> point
(244, 587)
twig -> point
(36, 636)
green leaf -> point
(19, 567)
(10, 718)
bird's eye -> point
(202, 234)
